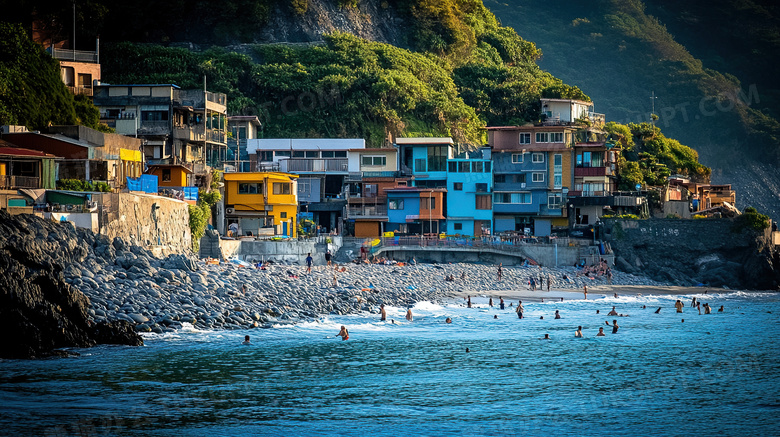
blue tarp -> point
(190, 193)
(146, 183)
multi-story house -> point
(86, 154)
(595, 179)
(240, 129)
(25, 168)
(320, 163)
(260, 203)
(532, 173)
(371, 173)
(469, 194)
(415, 210)
(179, 127)
(80, 69)
(426, 159)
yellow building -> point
(171, 175)
(261, 203)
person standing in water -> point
(490, 302)
(246, 341)
(557, 315)
(501, 302)
(520, 310)
(383, 313)
(585, 291)
(468, 302)
(679, 305)
(614, 326)
(601, 333)
(409, 316)
(344, 334)
(578, 332)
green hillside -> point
(619, 55)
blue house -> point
(413, 210)
(469, 201)
(426, 159)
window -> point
(437, 158)
(483, 201)
(557, 171)
(476, 167)
(499, 178)
(428, 203)
(375, 161)
(419, 165)
(452, 167)
(487, 167)
(542, 137)
(482, 187)
(554, 201)
(537, 158)
(327, 154)
(556, 137)
(537, 177)
(312, 154)
(341, 154)
(283, 215)
(464, 167)
(166, 175)
(282, 153)
(586, 157)
(458, 186)
(525, 138)
(266, 155)
(517, 158)
(458, 226)
(247, 188)
(518, 198)
(520, 178)
(281, 188)
(298, 154)
(396, 204)
(154, 115)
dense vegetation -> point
(31, 90)
(620, 54)
(350, 87)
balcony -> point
(74, 55)
(154, 127)
(378, 212)
(580, 193)
(303, 165)
(592, 171)
(80, 90)
(188, 134)
(597, 119)
(13, 182)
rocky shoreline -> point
(68, 287)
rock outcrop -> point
(712, 252)
(39, 311)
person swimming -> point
(557, 315)
(720, 310)
(409, 316)
(601, 333)
(546, 337)
(343, 333)
(613, 312)
(578, 332)
(658, 311)
(448, 320)
(246, 341)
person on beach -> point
(520, 310)
(549, 282)
(468, 302)
(500, 271)
(679, 305)
(557, 315)
(335, 281)
(601, 333)
(614, 326)
(463, 276)
(409, 316)
(327, 257)
(613, 312)
(246, 341)
(344, 334)
(382, 313)
(585, 291)
(501, 302)
(309, 260)
(578, 332)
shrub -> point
(751, 219)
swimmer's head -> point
(246, 338)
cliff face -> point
(373, 20)
(39, 312)
(691, 252)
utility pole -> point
(652, 113)
(74, 33)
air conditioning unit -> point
(522, 185)
(229, 210)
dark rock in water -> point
(39, 311)
(116, 332)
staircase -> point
(209, 245)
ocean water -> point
(711, 374)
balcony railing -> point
(597, 119)
(592, 171)
(154, 127)
(298, 165)
(80, 90)
(10, 182)
(379, 211)
(74, 55)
